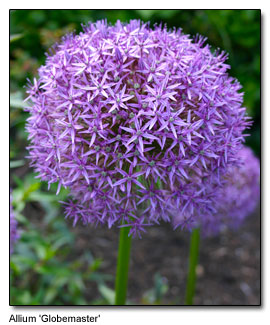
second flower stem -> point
(193, 261)
(122, 266)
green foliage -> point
(108, 294)
(15, 37)
(44, 268)
(16, 100)
(155, 295)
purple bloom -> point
(237, 198)
(13, 227)
(136, 122)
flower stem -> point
(122, 266)
(193, 260)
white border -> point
(173, 315)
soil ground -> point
(228, 271)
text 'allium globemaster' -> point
(136, 122)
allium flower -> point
(136, 122)
(13, 227)
(238, 197)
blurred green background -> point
(36, 261)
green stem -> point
(122, 266)
(193, 260)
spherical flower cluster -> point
(12, 227)
(237, 198)
(136, 122)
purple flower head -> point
(13, 227)
(237, 198)
(135, 122)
